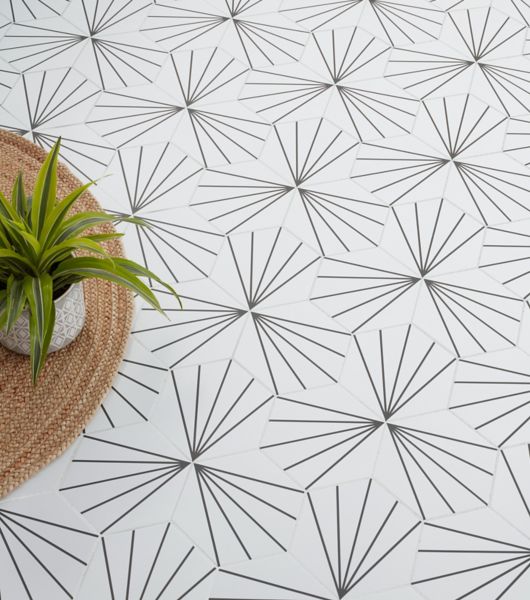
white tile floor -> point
(340, 189)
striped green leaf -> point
(39, 292)
(45, 191)
(103, 268)
(55, 220)
(53, 254)
(141, 271)
(16, 299)
(18, 198)
(3, 308)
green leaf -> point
(104, 237)
(16, 299)
(3, 307)
(7, 211)
(38, 348)
(18, 198)
(75, 225)
(18, 237)
(55, 252)
(134, 220)
(30, 241)
(55, 219)
(140, 270)
(39, 292)
(45, 192)
(15, 257)
(103, 268)
(4, 238)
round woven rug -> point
(38, 423)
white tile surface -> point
(339, 191)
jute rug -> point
(38, 423)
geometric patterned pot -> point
(69, 320)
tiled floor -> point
(342, 408)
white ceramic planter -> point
(69, 320)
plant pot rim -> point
(68, 289)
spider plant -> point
(45, 248)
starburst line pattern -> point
(219, 487)
(197, 90)
(476, 43)
(494, 564)
(356, 542)
(57, 551)
(264, 267)
(188, 571)
(69, 91)
(165, 176)
(202, 437)
(255, 35)
(399, 373)
(338, 191)
(312, 195)
(494, 398)
(325, 437)
(149, 472)
(133, 392)
(429, 239)
(463, 156)
(35, 9)
(346, 89)
(116, 62)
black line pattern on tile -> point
(492, 396)
(264, 267)
(415, 21)
(127, 477)
(338, 189)
(42, 102)
(37, 547)
(262, 585)
(505, 256)
(231, 399)
(260, 509)
(257, 36)
(521, 10)
(486, 42)
(347, 62)
(356, 528)
(517, 140)
(461, 127)
(472, 314)
(312, 197)
(152, 176)
(8, 76)
(176, 252)
(34, 9)
(202, 85)
(133, 393)
(442, 467)
(49, 95)
(215, 406)
(319, 15)
(95, 45)
(160, 562)
(511, 492)
(309, 437)
(158, 181)
(496, 565)
(192, 328)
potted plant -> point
(46, 252)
